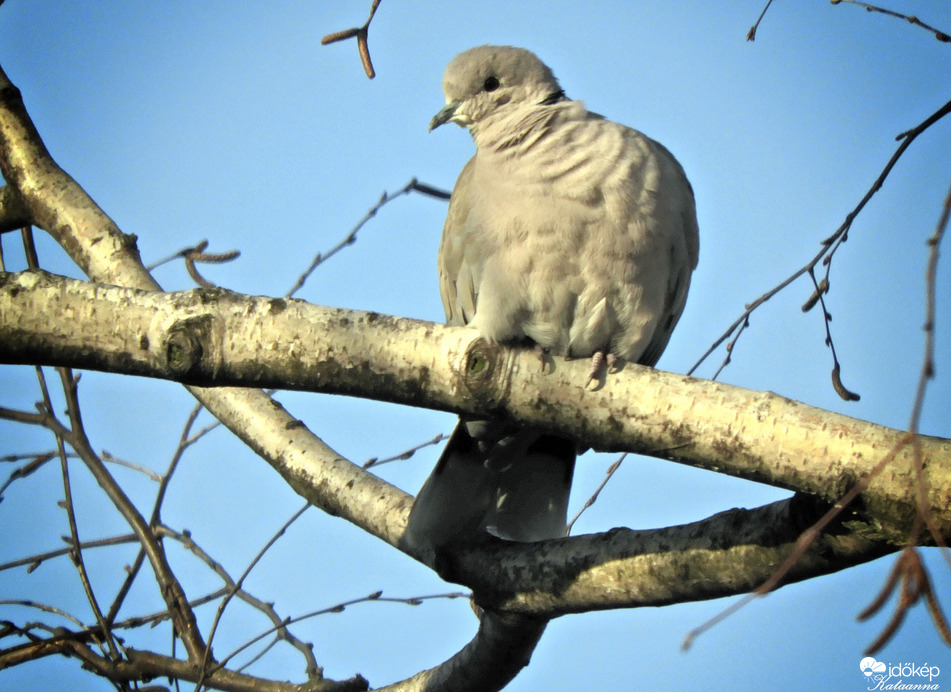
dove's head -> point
(487, 80)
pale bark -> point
(210, 336)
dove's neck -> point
(514, 132)
(553, 149)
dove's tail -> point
(515, 486)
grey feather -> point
(567, 231)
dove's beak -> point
(445, 115)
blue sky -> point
(230, 122)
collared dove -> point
(565, 231)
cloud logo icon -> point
(869, 665)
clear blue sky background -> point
(228, 121)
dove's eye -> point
(491, 84)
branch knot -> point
(184, 347)
(486, 372)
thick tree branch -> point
(219, 337)
(727, 554)
(14, 214)
(498, 652)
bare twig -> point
(402, 456)
(928, 369)
(728, 356)
(915, 584)
(34, 561)
(238, 584)
(819, 293)
(37, 462)
(931, 273)
(829, 245)
(183, 443)
(109, 459)
(23, 456)
(594, 496)
(908, 567)
(429, 190)
(230, 587)
(45, 608)
(29, 247)
(169, 587)
(195, 254)
(76, 554)
(351, 237)
(361, 35)
(147, 665)
(339, 608)
(911, 19)
(751, 36)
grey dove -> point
(565, 232)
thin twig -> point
(911, 19)
(38, 461)
(23, 456)
(195, 254)
(169, 586)
(185, 441)
(594, 496)
(34, 561)
(238, 584)
(45, 608)
(412, 186)
(29, 247)
(830, 244)
(267, 608)
(751, 36)
(931, 274)
(76, 555)
(402, 456)
(928, 369)
(22, 416)
(821, 289)
(146, 471)
(136, 566)
(361, 35)
(339, 608)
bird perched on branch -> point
(565, 231)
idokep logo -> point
(869, 665)
(904, 676)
